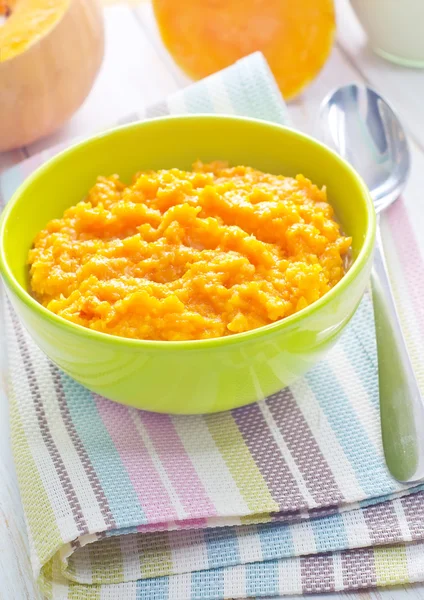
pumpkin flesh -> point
(27, 21)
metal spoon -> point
(364, 129)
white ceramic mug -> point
(395, 29)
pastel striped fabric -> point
(287, 496)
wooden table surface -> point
(136, 72)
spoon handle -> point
(401, 403)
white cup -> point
(395, 29)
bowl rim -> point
(107, 338)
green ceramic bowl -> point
(196, 376)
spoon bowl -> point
(366, 131)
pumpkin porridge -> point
(186, 255)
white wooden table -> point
(136, 72)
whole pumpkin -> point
(50, 53)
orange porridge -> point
(186, 255)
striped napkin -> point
(287, 496)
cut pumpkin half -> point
(50, 53)
(204, 36)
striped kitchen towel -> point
(287, 496)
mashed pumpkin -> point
(185, 255)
